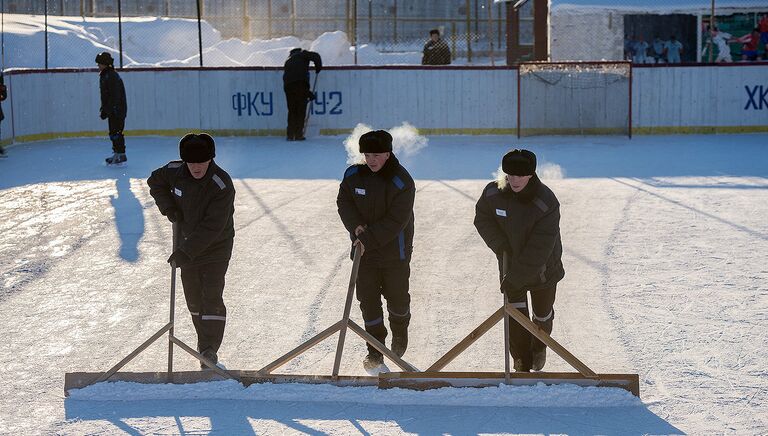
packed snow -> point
(73, 42)
(664, 248)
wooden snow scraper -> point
(409, 378)
(433, 377)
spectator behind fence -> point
(673, 50)
(436, 51)
(629, 47)
(763, 27)
(750, 45)
(721, 40)
(659, 46)
(641, 51)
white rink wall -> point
(687, 99)
(700, 99)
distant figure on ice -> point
(114, 107)
(296, 87)
(3, 96)
(436, 51)
(520, 215)
(375, 203)
(198, 195)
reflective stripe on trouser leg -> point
(203, 290)
(368, 293)
(543, 301)
(519, 337)
(395, 289)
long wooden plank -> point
(381, 347)
(549, 341)
(285, 358)
(251, 377)
(134, 353)
(467, 341)
(436, 379)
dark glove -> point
(318, 69)
(179, 258)
(103, 115)
(312, 96)
(174, 215)
(509, 286)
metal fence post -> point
(120, 30)
(199, 32)
(46, 34)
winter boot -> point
(2, 152)
(399, 341)
(521, 366)
(539, 359)
(373, 360)
(210, 355)
(116, 159)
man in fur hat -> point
(375, 203)
(198, 196)
(520, 216)
(114, 107)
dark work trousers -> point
(297, 96)
(522, 344)
(116, 126)
(391, 282)
(203, 290)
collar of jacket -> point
(106, 70)
(386, 171)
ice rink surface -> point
(665, 246)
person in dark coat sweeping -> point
(199, 197)
(375, 203)
(296, 87)
(519, 215)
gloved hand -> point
(179, 258)
(318, 69)
(174, 215)
(103, 115)
(509, 286)
(312, 96)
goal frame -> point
(521, 65)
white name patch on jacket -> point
(177, 191)
(501, 212)
(359, 191)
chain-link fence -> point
(173, 33)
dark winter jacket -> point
(296, 68)
(113, 103)
(382, 201)
(527, 226)
(207, 206)
(436, 53)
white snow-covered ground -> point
(73, 42)
(665, 243)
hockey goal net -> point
(574, 98)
